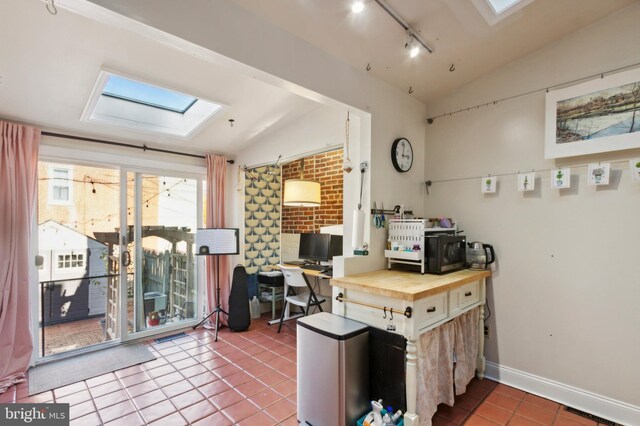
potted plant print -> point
(598, 173)
(559, 177)
(488, 183)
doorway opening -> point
(98, 284)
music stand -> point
(217, 242)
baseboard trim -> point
(607, 408)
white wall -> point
(564, 297)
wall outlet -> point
(486, 331)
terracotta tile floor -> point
(487, 403)
(250, 379)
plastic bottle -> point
(254, 308)
(376, 407)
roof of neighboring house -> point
(51, 221)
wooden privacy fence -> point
(171, 274)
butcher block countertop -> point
(407, 285)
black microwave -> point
(445, 253)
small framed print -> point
(488, 185)
(634, 164)
(561, 178)
(598, 173)
(526, 181)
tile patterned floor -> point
(250, 379)
(487, 403)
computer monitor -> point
(315, 247)
(335, 248)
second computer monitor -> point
(335, 246)
(319, 247)
(314, 247)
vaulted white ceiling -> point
(462, 38)
(49, 64)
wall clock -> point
(402, 155)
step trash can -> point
(333, 370)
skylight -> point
(494, 11)
(500, 6)
(146, 107)
(146, 94)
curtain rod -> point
(126, 145)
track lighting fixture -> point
(357, 6)
(415, 40)
(412, 45)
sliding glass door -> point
(116, 254)
(164, 291)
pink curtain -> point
(466, 348)
(18, 169)
(215, 208)
(435, 370)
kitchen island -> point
(409, 304)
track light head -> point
(357, 6)
(412, 45)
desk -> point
(307, 272)
(433, 300)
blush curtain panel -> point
(447, 361)
(18, 173)
(215, 218)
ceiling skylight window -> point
(121, 101)
(494, 11)
(500, 6)
(146, 94)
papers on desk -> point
(271, 273)
(276, 295)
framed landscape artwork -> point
(597, 116)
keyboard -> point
(295, 262)
(313, 267)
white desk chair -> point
(295, 278)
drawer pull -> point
(431, 309)
(467, 294)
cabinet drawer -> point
(430, 310)
(461, 297)
(469, 294)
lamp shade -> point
(301, 193)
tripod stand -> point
(218, 309)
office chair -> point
(294, 278)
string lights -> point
(115, 185)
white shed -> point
(71, 255)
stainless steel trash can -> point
(333, 370)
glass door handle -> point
(126, 258)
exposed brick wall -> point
(325, 168)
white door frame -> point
(87, 155)
(125, 336)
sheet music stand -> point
(217, 242)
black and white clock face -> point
(402, 155)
